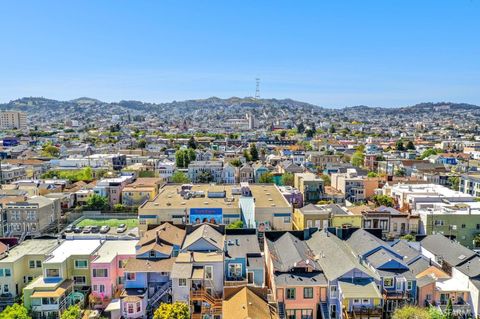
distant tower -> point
(257, 90)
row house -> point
(65, 279)
(140, 191)
(205, 171)
(111, 188)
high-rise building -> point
(13, 120)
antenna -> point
(257, 89)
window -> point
(152, 254)
(101, 288)
(439, 222)
(38, 263)
(307, 293)
(31, 264)
(307, 314)
(81, 264)
(79, 280)
(138, 306)
(333, 291)
(235, 271)
(208, 272)
(120, 280)
(365, 301)
(290, 292)
(6, 288)
(478, 226)
(8, 272)
(463, 225)
(356, 301)
(182, 282)
(409, 285)
(130, 308)
(100, 273)
(388, 282)
(53, 272)
(122, 263)
(333, 311)
(130, 276)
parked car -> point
(78, 229)
(69, 229)
(104, 229)
(95, 229)
(121, 228)
(87, 229)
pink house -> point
(297, 282)
(107, 269)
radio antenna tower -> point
(257, 89)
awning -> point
(197, 273)
(113, 305)
(49, 294)
(359, 290)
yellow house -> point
(344, 218)
(142, 190)
(311, 216)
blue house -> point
(244, 263)
(398, 284)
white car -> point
(121, 228)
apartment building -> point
(10, 120)
(140, 191)
(111, 188)
(205, 171)
(350, 184)
(33, 216)
(11, 173)
(21, 266)
(65, 279)
(311, 186)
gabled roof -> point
(452, 252)
(206, 232)
(246, 304)
(166, 233)
(409, 253)
(385, 260)
(289, 252)
(364, 243)
(334, 256)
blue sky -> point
(331, 53)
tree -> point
(192, 143)
(266, 178)
(410, 146)
(476, 240)
(400, 172)
(435, 313)
(49, 150)
(309, 133)
(399, 146)
(73, 312)
(410, 312)
(357, 158)
(205, 177)
(331, 130)
(454, 182)
(247, 155)
(287, 179)
(372, 174)
(327, 181)
(283, 133)
(300, 128)
(15, 311)
(142, 143)
(428, 152)
(177, 310)
(97, 202)
(235, 225)
(180, 178)
(253, 152)
(383, 200)
(236, 162)
(449, 309)
(184, 157)
(408, 237)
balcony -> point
(235, 281)
(365, 313)
(394, 294)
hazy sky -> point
(330, 53)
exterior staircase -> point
(281, 310)
(154, 301)
(324, 309)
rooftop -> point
(30, 247)
(112, 248)
(73, 248)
